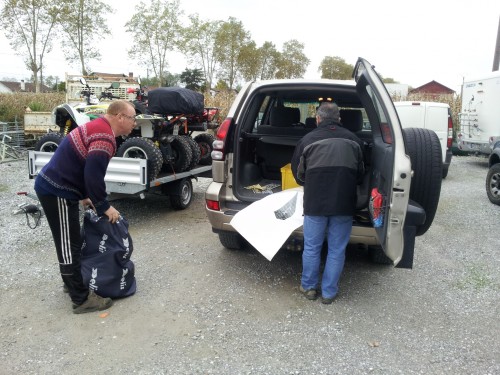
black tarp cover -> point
(175, 100)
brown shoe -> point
(93, 303)
(310, 294)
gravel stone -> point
(202, 309)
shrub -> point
(13, 106)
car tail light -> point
(218, 144)
(213, 205)
(449, 142)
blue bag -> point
(106, 265)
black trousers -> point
(63, 216)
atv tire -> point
(181, 154)
(49, 142)
(427, 164)
(195, 150)
(142, 148)
(205, 141)
(493, 184)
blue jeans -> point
(338, 230)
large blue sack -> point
(106, 265)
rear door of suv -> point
(390, 166)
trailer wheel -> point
(181, 194)
(493, 184)
(231, 240)
(205, 141)
(181, 154)
(424, 150)
(49, 142)
(195, 151)
(142, 148)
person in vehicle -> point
(76, 173)
(328, 162)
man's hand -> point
(112, 214)
(87, 203)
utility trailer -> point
(129, 176)
(480, 115)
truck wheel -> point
(49, 142)
(424, 150)
(231, 240)
(195, 151)
(181, 154)
(493, 184)
(142, 148)
(445, 172)
(205, 141)
(182, 194)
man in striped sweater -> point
(75, 174)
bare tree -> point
(81, 22)
(156, 30)
(29, 25)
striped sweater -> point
(76, 170)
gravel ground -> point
(201, 309)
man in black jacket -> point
(328, 162)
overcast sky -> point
(413, 42)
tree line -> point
(222, 52)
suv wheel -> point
(493, 184)
(426, 162)
(231, 240)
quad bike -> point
(166, 120)
(68, 117)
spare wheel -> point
(424, 149)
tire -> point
(424, 150)
(181, 154)
(142, 148)
(231, 240)
(182, 195)
(493, 184)
(205, 141)
(377, 255)
(445, 172)
(195, 151)
(49, 142)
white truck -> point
(433, 116)
(480, 115)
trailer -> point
(130, 177)
(480, 115)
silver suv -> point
(258, 138)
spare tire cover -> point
(424, 149)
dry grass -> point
(12, 106)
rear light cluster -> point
(449, 141)
(213, 205)
(218, 145)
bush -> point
(13, 106)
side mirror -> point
(115, 85)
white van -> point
(433, 116)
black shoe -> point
(310, 294)
(93, 303)
(327, 301)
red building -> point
(432, 88)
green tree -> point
(156, 30)
(231, 38)
(270, 58)
(334, 67)
(81, 22)
(193, 78)
(30, 27)
(198, 45)
(292, 62)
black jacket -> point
(328, 162)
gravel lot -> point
(201, 309)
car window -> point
(384, 126)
